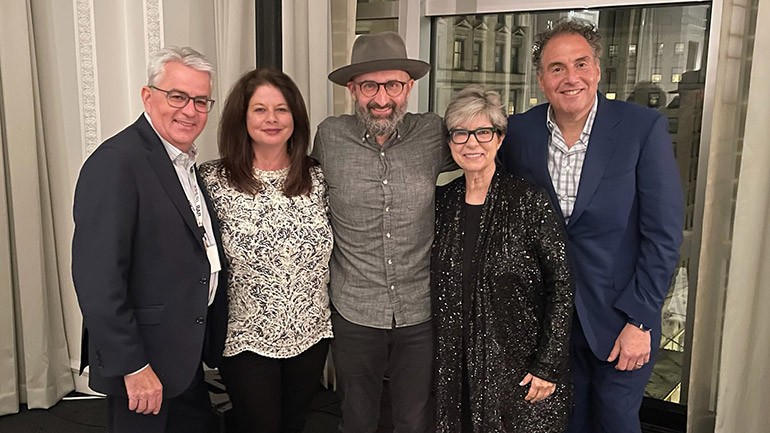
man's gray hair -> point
(474, 101)
(567, 27)
(184, 55)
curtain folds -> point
(731, 341)
(34, 357)
(743, 396)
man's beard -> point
(379, 126)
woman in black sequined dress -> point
(502, 292)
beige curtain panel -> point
(34, 359)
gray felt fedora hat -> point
(379, 52)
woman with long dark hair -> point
(271, 199)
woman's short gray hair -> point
(474, 101)
(184, 55)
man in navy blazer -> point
(610, 171)
(146, 258)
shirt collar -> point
(177, 156)
(586, 133)
(364, 134)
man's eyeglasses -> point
(370, 88)
(179, 99)
(483, 135)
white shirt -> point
(184, 165)
(565, 164)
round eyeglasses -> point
(179, 99)
(483, 135)
(370, 88)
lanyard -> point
(195, 205)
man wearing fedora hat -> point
(381, 166)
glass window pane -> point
(652, 56)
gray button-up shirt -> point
(382, 214)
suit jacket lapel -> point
(164, 169)
(601, 147)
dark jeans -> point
(363, 356)
(273, 395)
(189, 412)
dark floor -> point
(77, 415)
(89, 416)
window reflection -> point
(652, 56)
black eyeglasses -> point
(483, 135)
(370, 88)
(178, 99)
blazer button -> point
(203, 280)
(199, 320)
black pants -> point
(271, 395)
(363, 356)
(189, 412)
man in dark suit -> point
(610, 171)
(146, 258)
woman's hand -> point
(539, 389)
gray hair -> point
(474, 101)
(566, 27)
(184, 55)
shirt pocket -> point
(417, 190)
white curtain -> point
(34, 357)
(317, 38)
(743, 399)
(731, 335)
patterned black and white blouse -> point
(278, 250)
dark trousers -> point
(189, 412)
(606, 400)
(363, 356)
(271, 395)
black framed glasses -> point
(483, 135)
(370, 88)
(179, 99)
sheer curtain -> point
(317, 38)
(34, 357)
(743, 399)
(731, 336)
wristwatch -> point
(639, 325)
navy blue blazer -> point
(626, 228)
(140, 267)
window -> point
(640, 45)
(515, 60)
(499, 57)
(676, 74)
(477, 55)
(457, 55)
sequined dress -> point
(520, 314)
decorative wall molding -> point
(87, 76)
(153, 24)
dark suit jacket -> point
(140, 268)
(626, 227)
